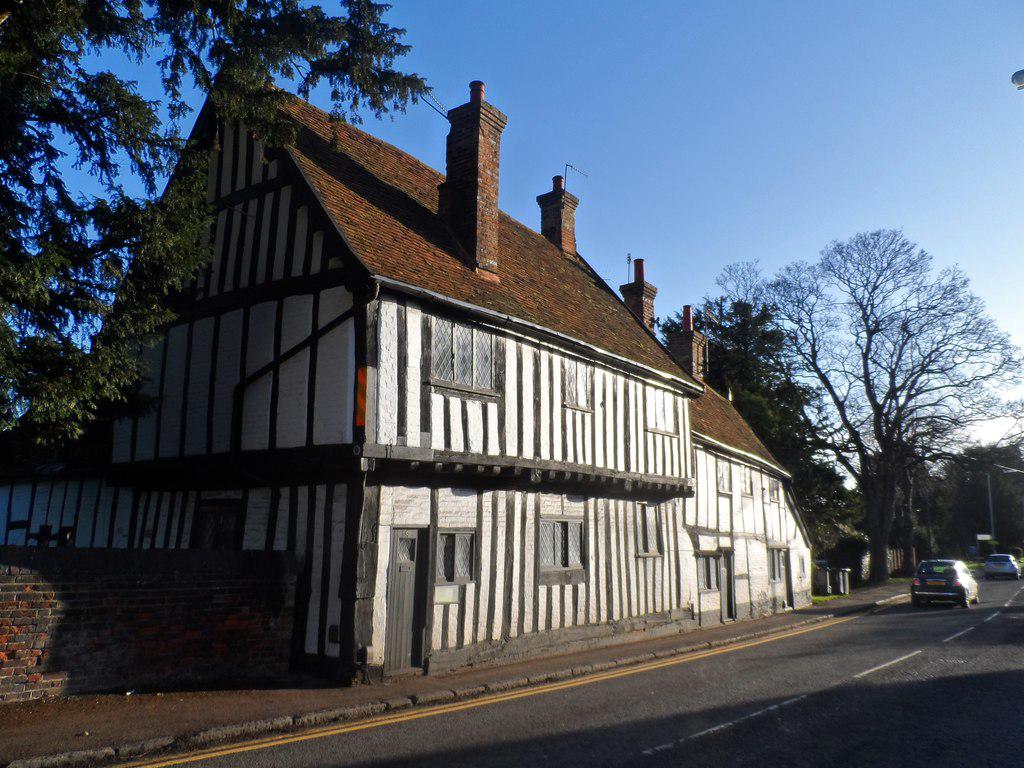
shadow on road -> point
(945, 720)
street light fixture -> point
(1017, 78)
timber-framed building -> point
(474, 449)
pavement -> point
(606, 689)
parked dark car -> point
(944, 581)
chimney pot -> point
(476, 91)
(557, 183)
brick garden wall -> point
(75, 621)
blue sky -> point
(717, 132)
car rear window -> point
(998, 559)
(936, 567)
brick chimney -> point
(469, 194)
(558, 216)
(639, 295)
(689, 346)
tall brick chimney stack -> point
(469, 194)
(689, 346)
(558, 216)
(639, 295)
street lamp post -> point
(1002, 468)
(991, 511)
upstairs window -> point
(648, 541)
(560, 544)
(773, 489)
(724, 468)
(577, 384)
(661, 413)
(746, 480)
(462, 354)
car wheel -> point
(915, 601)
(965, 601)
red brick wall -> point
(75, 621)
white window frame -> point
(774, 488)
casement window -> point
(560, 544)
(462, 354)
(577, 384)
(455, 552)
(746, 480)
(724, 467)
(661, 412)
(707, 571)
(776, 564)
(648, 542)
(773, 489)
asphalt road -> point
(939, 686)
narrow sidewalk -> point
(84, 729)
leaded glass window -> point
(444, 366)
(577, 380)
(724, 468)
(455, 557)
(560, 544)
(483, 363)
(661, 415)
(462, 354)
(463, 344)
(746, 480)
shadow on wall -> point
(76, 621)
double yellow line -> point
(483, 701)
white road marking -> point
(887, 664)
(1012, 598)
(958, 634)
(722, 726)
(989, 618)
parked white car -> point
(1002, 567)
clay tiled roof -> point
(715, 417)
(384, 202)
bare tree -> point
(906, 356)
